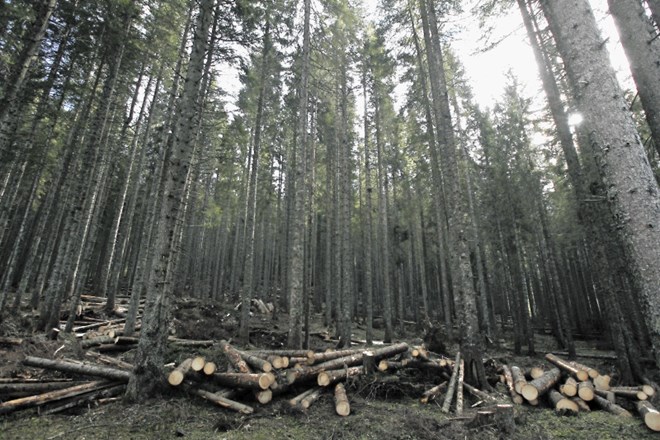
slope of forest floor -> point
(378, 409)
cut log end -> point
(175, 378)
(650, 415)
(265, 396)
(343, 408)
(198, 363)
(529, 392)
(323, 379)
(209, 368)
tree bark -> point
(642, 46)
(632, 191)
(153, 336)
(297, 226)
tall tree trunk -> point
(436, 176)
(384, 231)
(251, 202)
(297, 225)
(631, 188)
(153, 336)
(16, 79)
(457, 208)
(642, 46)
(592, 215)
(368, 257)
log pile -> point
(571, 387)
(302, 377)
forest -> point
(353, 195)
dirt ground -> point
(386, 406)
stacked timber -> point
(303, 377)
(572, 387)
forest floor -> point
(378, 410)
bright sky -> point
(487, 71)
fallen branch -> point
(342, 406)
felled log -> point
(198, 363)
(126, 340)
(225, 402)
(519, 380)
(652, 386)
(312, 397)
(591, 372)
(501, 416)
(390, 350)
(650, 415)
(348, 361)
(607, 357)
(209, 368)
(15, 390)
(532, 390)
(434, 392)
(278, 362)
(252, 381)
(51, 396)
(607, 395)
(113, 348)
(611, 407)
(581, 404)
(342, 406)
(562, 404)
(536, 372)
(264, 396)
(580, 375)
(459, 388)
(261, 306)
(334, 354)
(256, 362)
(387, 364)
(326, 378)
(646, 389)
(234, 358)
(300, 361)
(32, 380)
(84, 328)
(508, 380)
(634, 394)
(295, 401)
(287, 353)
(569, 388)
(452, 385)
(586, 390)
(109, 360)
(420, 352)
(176, 376)
(75, 368)
(95, 342)
(479, 394)
(85, 398)
(602, 382)
(368, 362)
(192, 343)
(9, 340)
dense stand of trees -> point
(325, 190)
